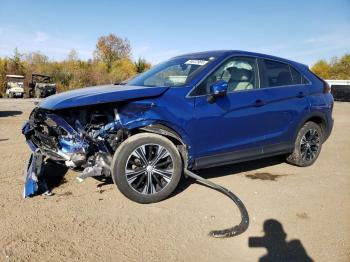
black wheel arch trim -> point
(326, 129)
(168, 132)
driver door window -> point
(241, 73)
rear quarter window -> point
(297, 78)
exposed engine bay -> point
(81, 138)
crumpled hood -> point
(98, 95)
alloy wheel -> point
(149, 169)
(309, 145)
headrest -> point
(283, 78)
(239, 74)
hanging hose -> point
(232, 231)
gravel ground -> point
(294, 211)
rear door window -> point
(296, 76)
(278, 74)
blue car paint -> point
(163, 110)
(98, 95)
(232, 123)
(35, 180)
(31, 185)
(26, 129)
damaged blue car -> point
(191, 112)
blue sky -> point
(300, 30)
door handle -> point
(259, 102)
(301, 94)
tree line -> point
(111, 63)
(336, 68)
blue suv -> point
(193, 111)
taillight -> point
(326, 87)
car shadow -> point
(226, 170)
(240, 167)
(10, 113)
(213, 172)
(278, 249)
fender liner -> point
(168, 132)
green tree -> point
(3, 72)
(335, 69)
(341, 69)
(15, 64)
(142, 65)
(322, 69)
(122, 70)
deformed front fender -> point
(148, 116)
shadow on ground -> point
(233, 169)
(221, 171)
(240, 167)
(10, 113)
(278, 249)
(54, 174)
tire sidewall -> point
(295, 157)
(121, 156)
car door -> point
(232, 127)
(286, 94)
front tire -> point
(146, 168)
(307, 146)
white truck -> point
(340, 89)
(14, 86)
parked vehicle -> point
(340, 89)
(41, 86)
(14, 86)
(191, 112)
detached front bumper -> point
(26, 130)
(34, 179)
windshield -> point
(174, 72)
(15, 79)
(41, 79)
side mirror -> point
(218, 89)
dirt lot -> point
(92, 221)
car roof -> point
(34, 74)
(225, 53)
(15, 76)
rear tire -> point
(307, 146)
(146, 168)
